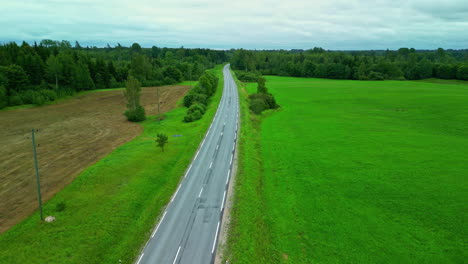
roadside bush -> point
(136, 115)
(196, 107)
(257, 106)
(245, 76)
(197, 98)
(262, 100)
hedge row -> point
(197, 99)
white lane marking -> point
(227, 178)
(176, 256)
(178, 188)
(139, 259)
(224, 124)
(230, 163)
(221, 133)
(235, 136)
(236, 126)
(157, 227)
(200, 192)
(233, 145)
(222, 204)
(211, 164)
(188, 170)
(196, 155)
(215, 238)
(217, 146)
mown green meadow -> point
(353, 172)
(111, 207)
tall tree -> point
(135, 112)
(54, 68)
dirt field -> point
(71, 136)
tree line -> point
(401, 64)
(38, 73)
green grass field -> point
(353, 172)
(112, 206)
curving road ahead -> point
(189, 228)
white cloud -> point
(333, 24)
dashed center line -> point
(200, 192)
(175, 259)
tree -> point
(16, 79)
(261, 88)
(462, 72)
(135, 112)
(161, 140)
(54, 68)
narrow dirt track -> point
(71, 136)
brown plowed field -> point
(71, 136)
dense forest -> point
(402, 64)
(37, 73)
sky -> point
(251, 24)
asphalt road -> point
(189, 228)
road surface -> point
(189, 228)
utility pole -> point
(39, 198)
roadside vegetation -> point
(106, 214)
(261, 100)
(196, 99)
(352, 172)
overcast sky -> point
(286, 24)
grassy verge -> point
(112, 206)
(353, 172)
(248, 239)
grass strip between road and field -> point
(248, 237)
(111, 207)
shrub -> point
(27, 97)
(196, 107)
(3, 97)
(136, 115)
(49, 95)
(376, 76)
(257, 106)
(39, 99)
(247, 76)
(15, 100)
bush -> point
(15, 100)
(3, 97)
(257, 106)
(39, 99)
(376, 76)
(49, 95)
(247, 76)
(196, 107)
(136, 115)
(27, 97)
